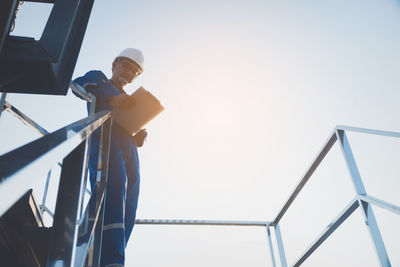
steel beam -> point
(25, 119)
(350, 208)
(368, 214)
(271, 249)
(203, 222)
(314, 165)
(2, 100)
(380, 203)
(46, 188)
(281, 249)
(368, 131)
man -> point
(123, 175)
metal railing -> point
(69, 145)
(361, 199)
(5, 106)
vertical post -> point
(64, 236)
(46, 188)
(2, 101)
(85, 173)
(88, 143)
(92, 108)
(97, 216)
(280, 246)
(270, 245)
(368, 214)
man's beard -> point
(122, 80)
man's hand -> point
(140, 137)
(122, 101)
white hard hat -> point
(133, 54)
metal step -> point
(23, 237)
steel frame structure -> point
(361, 200)
(76, 254)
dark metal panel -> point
(46, 66)
(41, 1)
(16, 240)
(7, 10)
(63, 244)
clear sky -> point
(252, 89)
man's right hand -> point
(122, 101)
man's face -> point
(128, 69)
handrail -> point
(90, 98)
(15, 166)
(368, 131)
(85, 95)
(361, 200)
(4, 105)
(71, 143)
(348, 210)
(71, 137)
(202, 222)
(314, 165)
(380, 203)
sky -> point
(252, 90)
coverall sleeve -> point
(94, 83)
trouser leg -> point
(113, 245)
(131, 206)
(133, 185)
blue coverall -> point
(123, 175)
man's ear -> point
(114, 64)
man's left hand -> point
(140, 137)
